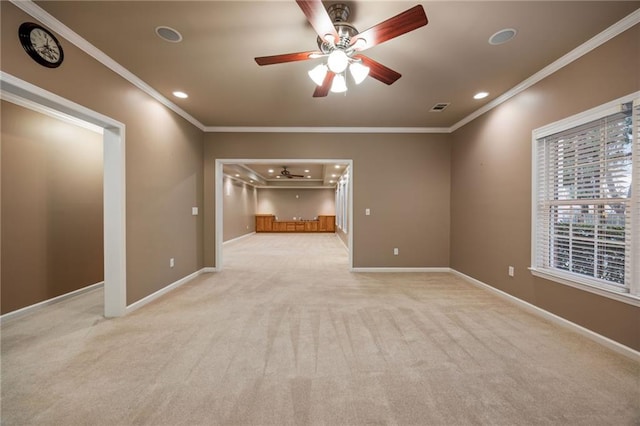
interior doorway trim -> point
(219, 178)
(115, 278)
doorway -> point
(19, 91)
(346, 202)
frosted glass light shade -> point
(358, 71)
(338, 61)
(318, 74)
(339, 84)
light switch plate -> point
(194, 211)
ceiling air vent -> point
(439, 107)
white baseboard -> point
(238, 238)
(29, 309)
(605, 341)
(342, 241)
(209, 269)
(153, 296)
(437, 269)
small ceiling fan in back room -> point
(286, 173)
(342, 44)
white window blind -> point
(586, 206)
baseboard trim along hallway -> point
(37, 306)
(164, 290)
(286, 334)
(605, 341)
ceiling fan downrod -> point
(339, 14)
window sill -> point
(611, 294)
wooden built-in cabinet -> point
(268, 223)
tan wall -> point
(491, 186)
(300, 203)
(409, 204)
(164, 170)
(239, 209)
(51, 207)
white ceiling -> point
(316, 174)
(447, 61)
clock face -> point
(41, 45)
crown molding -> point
(586, 47)
(29, 7)
(54, 24)
(232, 129)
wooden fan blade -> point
(379, 71)
(318, 18)
(403, 23)
(322, 91)
(287, 57)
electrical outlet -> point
(367, 212)
(396, 251)
(511, 271)
(172, 262)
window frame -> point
(573, 279)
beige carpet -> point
(286, 335)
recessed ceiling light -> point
(334, 175)
(337, 166)
(308, 177)
(168, 34)
(277, 177)
(502, 36)
(480, 95)
(180, 95)
(270, 170)
(237, 175)
(331, 181)
(306, 171)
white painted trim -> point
(57, 26)
(342, 242)
(34, 106)
(37, 306)
(114, 181)
(250, 129)
(586, 47)
(241, 237)
(54, 24)
(219, 212)
(209, 270)
(584, 117)
(219, 181)
(573, 282)
(598, 338)
(164, 290)
(401, 270)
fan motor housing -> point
(339, 14)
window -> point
(586, 208)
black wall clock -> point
(41, 44)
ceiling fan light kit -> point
(341, 43)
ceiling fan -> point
(341, 43)
(286, 173)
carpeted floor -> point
(286, 335)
